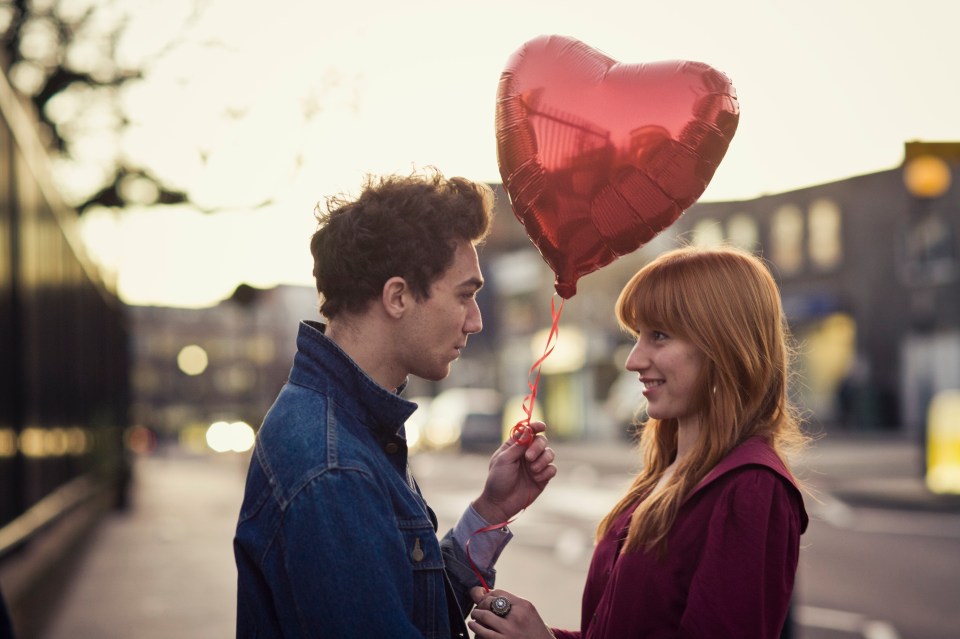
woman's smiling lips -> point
(650, 384)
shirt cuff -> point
(485, 547)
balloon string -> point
(522, 434)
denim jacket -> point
(334, 538)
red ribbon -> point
(522, 433)
(476, 571)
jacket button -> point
(391, 448)
(417, 553)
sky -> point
(262, 113)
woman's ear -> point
(395, 297)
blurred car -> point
(468, 417)
(481, 432)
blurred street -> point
(881, 559)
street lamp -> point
(928, 255)
(930, 260)
(926, 177)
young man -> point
(334, 538)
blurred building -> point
(192, 367)
(870, 279)
(869, 273)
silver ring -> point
(500, 606)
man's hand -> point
(517, 476)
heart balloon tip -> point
(565, 290)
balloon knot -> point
(522, 433)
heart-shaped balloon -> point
(598, 157)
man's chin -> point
(435, 376)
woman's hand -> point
(521, 620)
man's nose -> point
(474, 323)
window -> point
(707, 233)
(787, 239)
(825, 245)
(742, 231)
(929, 253)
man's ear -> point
(395, 297)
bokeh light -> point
(192, 360)
(926, 176)
(223, 437)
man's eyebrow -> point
(475, 282)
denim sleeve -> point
(485, 548)
(460, 573)
(345, 561)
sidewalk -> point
(164, 569)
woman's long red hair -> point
(727, 304)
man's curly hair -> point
(406, 226)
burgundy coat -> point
(729, 567)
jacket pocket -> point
(426, 565)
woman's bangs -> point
(648, 300)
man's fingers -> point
(538, 427)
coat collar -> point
(753, 452)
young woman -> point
(705, 542)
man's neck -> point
(364, 344)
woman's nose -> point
(637, 360)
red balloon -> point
(598, 157)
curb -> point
(925, 501)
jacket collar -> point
(322, 365)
